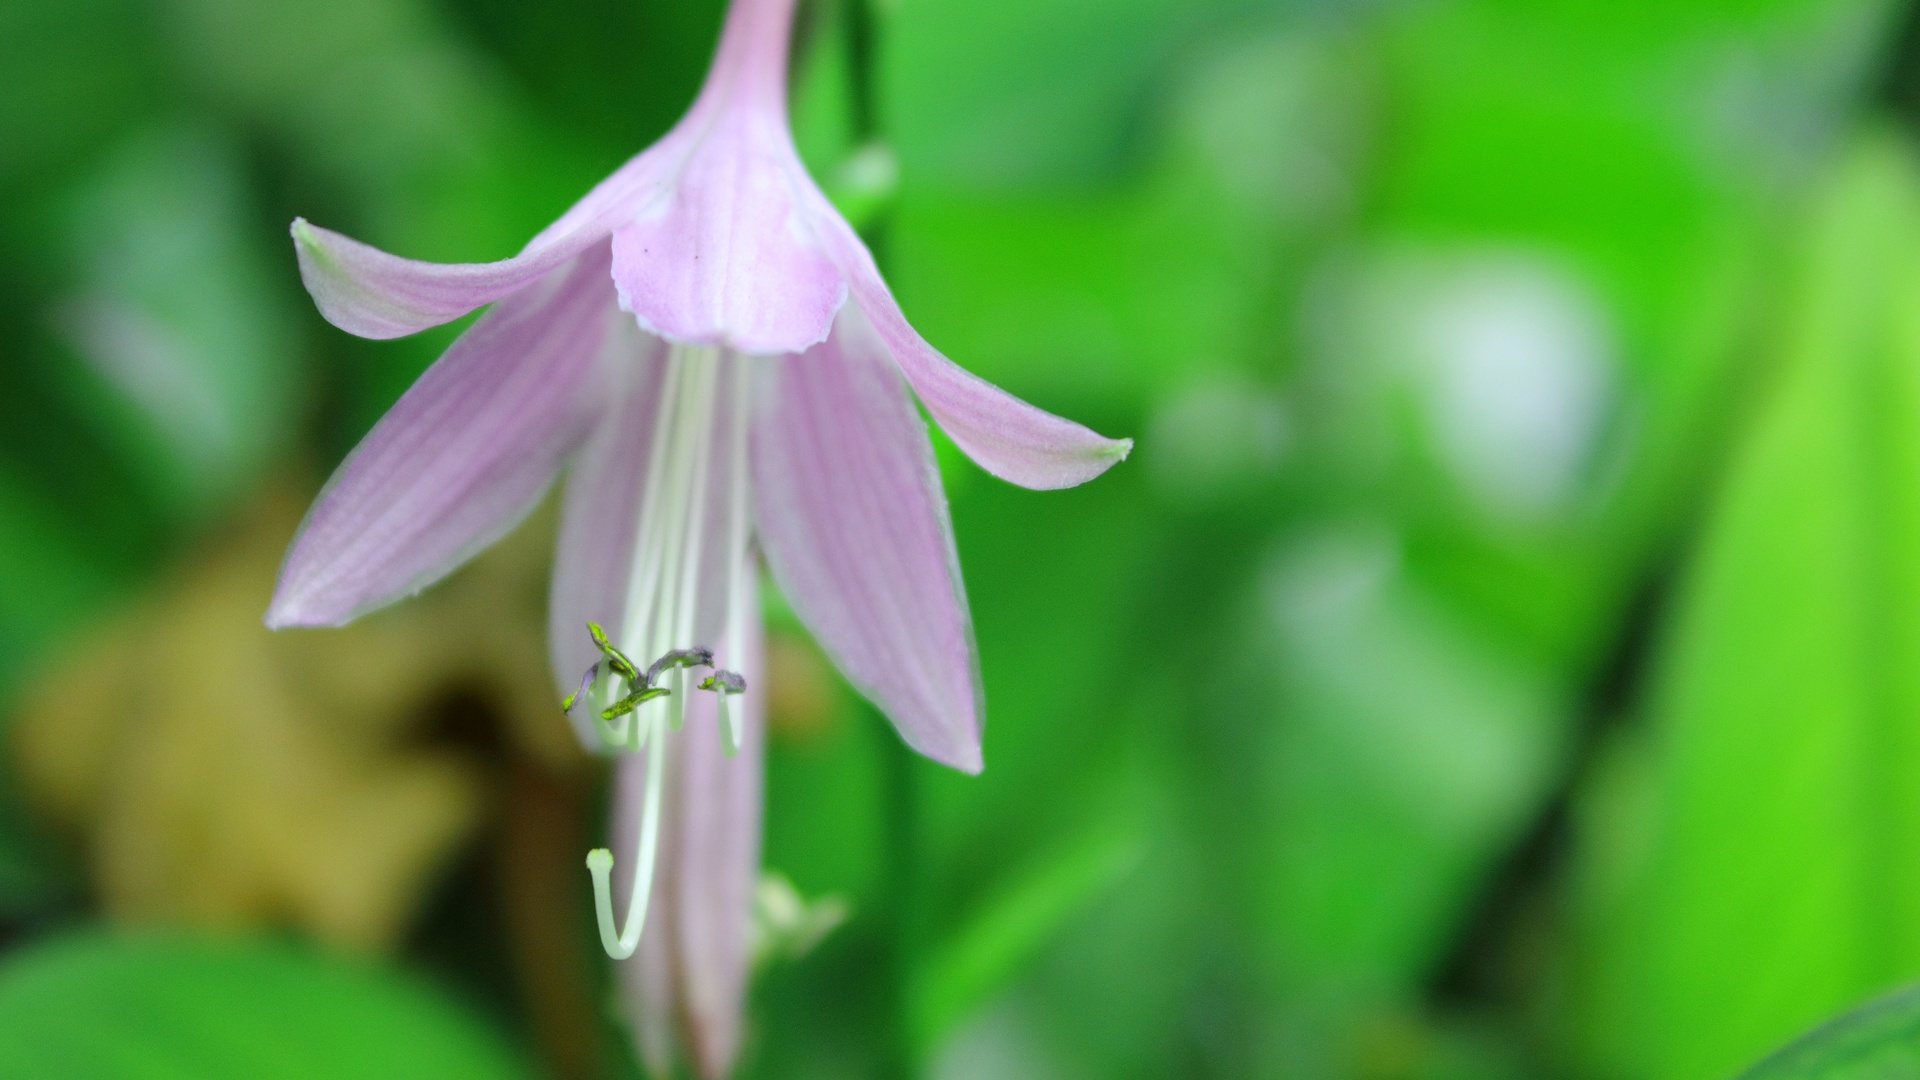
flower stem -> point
(864, 118)
(900, 869)
(900, 853)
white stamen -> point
(662, 609)
(643, 581)
(677, 700)
(686, 610)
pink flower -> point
(752, 398)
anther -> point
(586, 684)
(681, 658)
(724, 685)
(632, 701)
(617, 659)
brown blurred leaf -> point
(804, 696)
(222, 774)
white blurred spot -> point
(1215, 435)
(1281, 120)
(1516, 366)
(786, 925)
(1412, 700)
(160, 374)
(997, 1044)
(1329, 579)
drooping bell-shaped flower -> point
(708, 350)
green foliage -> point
(1777, 885)
(104, 1007)
(1878, 1041)
(1457, 337)
(185, 344)
(1006, 930)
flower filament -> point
(691, 543)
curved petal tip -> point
(1071, 466)
(968, 760)
(334, 268)
(287, 612)
(372, 294)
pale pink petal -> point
(854, 524)
(686, 986)
(717, 862)
(366, 291)
(724, 257)
(749, 69)
(459, 459)
(1007, 437)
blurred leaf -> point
(621, 70)
(1171, 270)
(1054, 579)
(71, 72)
(404, 135)
(1642, 153)
(49, 586)
(132, 1008)
(827, 778)
(1410, 751)
(1781, 875)
(50, 583)
(1019, 917)
(1049, 92)
(34, 875)
(174, 311)
(223, 775)
(1878, 1041)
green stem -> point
(901, 873)
(899, 854)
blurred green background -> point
(1499, 658)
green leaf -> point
(1012, 925)
(34, 876)
(1878, 1041)
(110, 1007)
(1001, 93)
(71, 72)
(1405, 751)
(416, 144)
(194, 367)
(1780, 877)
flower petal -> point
(854, 524)
(724, 256)
(717, 862)
(1007, 437)
(459, 459)
(687, 984)
(367, 292)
